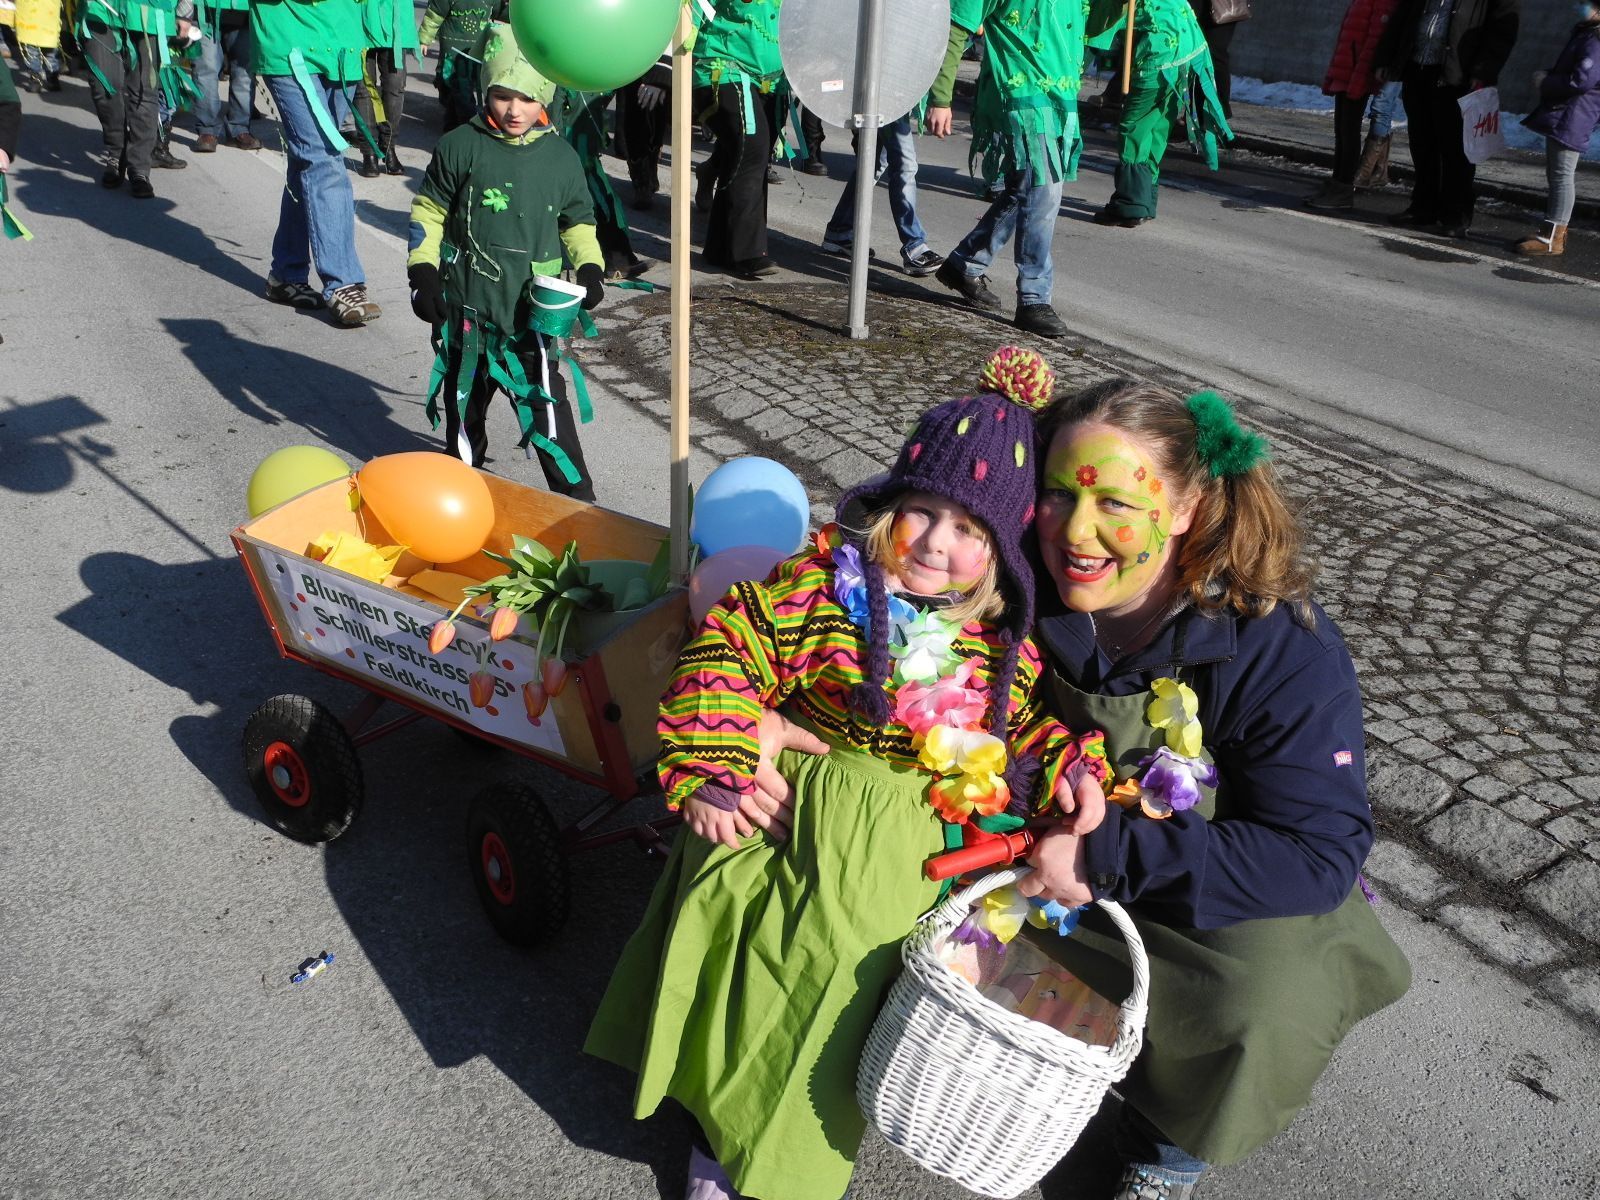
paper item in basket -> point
(1033, 985)
(448, 586)
(347, 552)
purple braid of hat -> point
(868, 697)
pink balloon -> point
(715, 575)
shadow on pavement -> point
(36, 457)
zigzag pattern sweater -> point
(787, 642)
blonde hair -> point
(1244, 549)
(983, 601)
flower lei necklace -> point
(935, 696)
(1173, 775)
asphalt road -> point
(153, 1045)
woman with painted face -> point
(1180, 622)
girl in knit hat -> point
(900, 639)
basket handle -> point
(1131, 1016)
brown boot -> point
(1374, 169)
(1550, 241)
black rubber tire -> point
(328, 771)
(508, 825)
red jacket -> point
(1354, 56)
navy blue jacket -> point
(1569, 97)
(1281, 714)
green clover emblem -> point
(496, 199)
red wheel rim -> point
(287, 775)
(497, 871)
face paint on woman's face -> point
(1105, 521)
(938, 545)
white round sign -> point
(817, 41)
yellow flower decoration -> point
(1174, 710)
(1003, 911)
(948, 751)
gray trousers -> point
(390, 78)
(128, 111)
(1560, 167)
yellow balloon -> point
(433, 503)
(287, 473)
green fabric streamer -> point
(631, 285)
(13, 227)
(1035, 134)
(325, 122)
(580, 387)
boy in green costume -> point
(503, 180)
(1172, 77)
(1025, 133)
(459, 26)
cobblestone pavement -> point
(1472, 616)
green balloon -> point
(593, 45)
(285, 474)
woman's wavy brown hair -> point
(1244, 549)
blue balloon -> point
(750, 502)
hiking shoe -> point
(139, 187)
(755, 268)
(1332, 197)
(369, 165)
(974, 289)
(923, 262)
(1040, 320)
(163, 157)
(245, 141)
(296, 295)
(1141, 1182)
(351, 306)
(113, 167)
(206, 143)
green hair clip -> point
(1225, 448)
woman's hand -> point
(716, 824)
(940, 121)
(772, 805)
(1058, 870)
(1084, 806)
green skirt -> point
(749, 989)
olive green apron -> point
(1242, 1019)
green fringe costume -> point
(1172, 77)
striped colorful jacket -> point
(787, 642)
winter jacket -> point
(1569, 97)
(1481, 35)
(1280, 711)
(1353, 69)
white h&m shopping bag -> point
(1480, 124)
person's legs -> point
(557, 422)
(1150, 1158)
(468, 438)
(737, 231)
(1220, 39)
(366, 136)
(900, 144)
(1457, 173)
(1560, 169)
(139, 102)
(208, 104)
(1384, 105)
(318, 189)
(1347, 113)
(1416, 94)
(110, 103)
(995, 228)
(392, 89)
(1036, 229)
(1142, 132)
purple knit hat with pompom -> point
(978, 452)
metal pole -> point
(682, 84)
(869, 56)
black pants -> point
(1220, 40)
(1444, 187)
(554, 421)
(811, 129)
(1347, 116)
(127, 112)
(390, 78)
(641, 131)
(737, 230)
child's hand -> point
(427, 294)
(593, 280)
(1084, 806)
(715, 824)
(5, 161)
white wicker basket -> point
(973, 1092)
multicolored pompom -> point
(1021, 376)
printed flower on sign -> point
(962, 797)
(1171, 782)
(1087, 476)
(926, 653)
(949, 700)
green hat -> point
(504, 66)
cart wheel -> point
(303, 768)
(518, 864)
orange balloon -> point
(433, 503)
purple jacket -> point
(1569, 97)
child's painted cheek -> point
(967, 567)
(901, 537)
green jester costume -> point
(495, 211)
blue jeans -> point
(232, 46)
(1383, 106)
(897, 155)
(1027, 210)
(1136, 1140)
(317, 219)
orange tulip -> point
(555, 676)
(535, 700)
(444, 632)
(503, 624)
(481, 686)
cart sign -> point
(371, 630)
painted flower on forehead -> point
(1171, 783)
(925, 654)
(950, 700)
(1087, 476)
(1173, 710)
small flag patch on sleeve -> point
(1343, 758)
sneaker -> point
(842, 249)
(206, 143)
(245, 141)
(163, 157)
(774, 175)
(296, 295)
(139, 187)
(922, 262)
(113, 168)
(755, 268)
(1143, 1182)
(31, 83)
(351, 307)
(1040, 320)
(618, 268)
(974, 289)
(1333, 197)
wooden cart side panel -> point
(556, 520)
(638, 663)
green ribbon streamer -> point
(631, 285)
(325, 122)
(580, 387)
(13, 227)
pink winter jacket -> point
(1351, 73)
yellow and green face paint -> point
(1105, 520)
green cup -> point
(556, 304)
